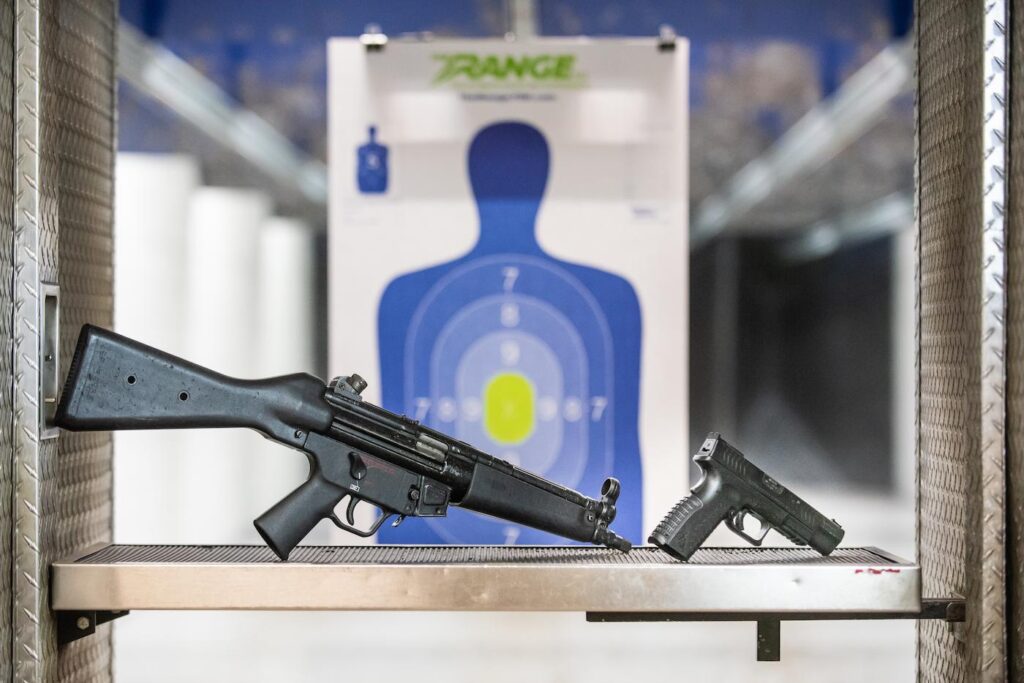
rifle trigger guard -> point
(735, 522)
(350, 515)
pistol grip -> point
(294, 516)
(688, 525)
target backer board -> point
(508, 258)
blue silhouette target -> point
(372, 165)
(529, 358)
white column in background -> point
(287, 306)
(904, 363)
(287, 300)
(151, 203)
(216, 502)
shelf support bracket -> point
(769, 639)
(74, 625)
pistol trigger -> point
(736, 523)
(350, 511)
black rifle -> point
(732, 488)
(355, 449)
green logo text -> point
(548, 69)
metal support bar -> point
(950, 609)
(160, 74)
(769, 624)
(72, 626)
(522, 19)
(885, 216)
(817, 137)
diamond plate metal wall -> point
(1015, 352)
(961, 335)
(63, 183)
(6, 318)
(77, 486)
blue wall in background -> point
(271, 56)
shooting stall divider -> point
(57, 98)
(969, 358)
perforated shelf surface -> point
(488, 578)
(479, 554)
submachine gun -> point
(355, 449)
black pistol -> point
(731, 488)
(356, 450)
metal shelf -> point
(487, 578)
(766, 585)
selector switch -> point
(357, 467)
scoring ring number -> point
(571, 409)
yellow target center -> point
(508, 408)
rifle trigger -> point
(398, 520)
(350, 511)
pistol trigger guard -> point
(735, 522)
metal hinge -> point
(49, 358)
